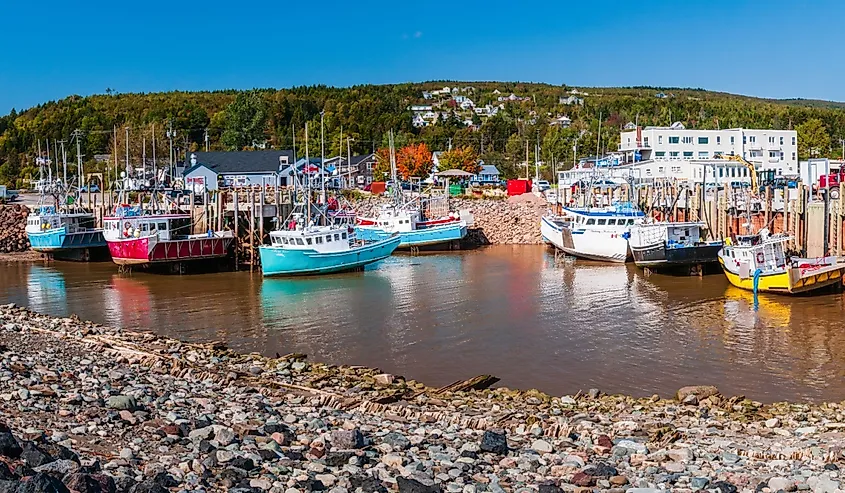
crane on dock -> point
(749, 166)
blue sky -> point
(762, 48)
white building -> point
(768, 149)
(709, 172)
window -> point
(328, 238)
(318, 240)
(732, 140)
(645, 141)
(308, 240)
(162, 226)
(630, 222)
(676, 169)
(703, 154)
(773, 154)
(673, 154)
(612, 222)
(660, 169)
(344, 236)
(659, 139)
(793, 156)
(718, 140)
(771, 140)
(336, 237)
(591, 221)
(687, 140)
(601, 222)
(687, 154)
(793, 142)
(744, 140)
(145, 227)
(674, 140)
(660, 154)
(721, 172)
(299, 241)
(703, 140)
(752, 138)
(285, 241)
(781, 140)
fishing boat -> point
(671, 245)
(151, 237)
(593, 233)
(59, 227)
(414, 231)
(759, 262)
(319, 240)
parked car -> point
(93, 188)
(543, 185)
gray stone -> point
(126, 453)
(730, 458)
(122, 402)
(778, 483)
(494, 442)
(225, 455)
(699, 483)
(633, 447)
(224, 436)
(542, 446)
(347, 439)
(59, 467)
(396, 440)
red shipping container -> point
(518, 187)
(378, 187)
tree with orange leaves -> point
(463, 158)
(411, 160)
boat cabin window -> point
(630, 222)
(344, 236)
(180, 228)
(328, 238)
(162, 226)
(145, 227)
(336, 237)
(601, 222)
(591, 221)
(299, 241)
(318, 240)
(612, 222)
(285, 241)
(308, 240)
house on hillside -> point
(460, 99)
(213, 170)
(571, 100)
(488, 175)
(427, 95)
(561, 121)
(418, 121)
(630, 126)
(307, 171)
(467, 104)
(420, 108)
(354, 172)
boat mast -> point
(396, 191)
(308, 181)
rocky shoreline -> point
(91, 408)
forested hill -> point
(359, 118)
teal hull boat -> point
(281, 261)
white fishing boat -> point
(592, 233)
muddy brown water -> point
(506, 310)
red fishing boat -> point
(139, 237)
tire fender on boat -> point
(761, 259)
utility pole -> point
(155, 167)
(115, 155)
(205, 137)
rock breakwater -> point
(12, 228)
(146, 413)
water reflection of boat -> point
(739, 307)
(45, 289)
(128, 301)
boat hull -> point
(433, 235)
(790, 281)
(80, 246)
(602, 246)
(148, 250)
(658, 255)
(277, 261)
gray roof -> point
(488, 169)
(241, 161)
(355, 161)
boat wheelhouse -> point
(760, 262)
(65, 235)
(592, 233)
(139, 237)
(673, 245)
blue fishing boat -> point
(412, 230)
(321, 250)
(317, 240)
(65, 235)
